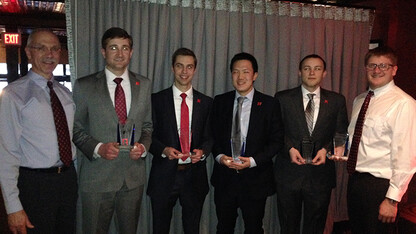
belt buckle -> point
(59, 170)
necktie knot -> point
(370, 93)
(50, 84)
(183, 96)
(310, 96)
(240, 100)
(118, 80)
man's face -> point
(44, 53)
(243, 76)
(183, 70)
(312, 72)
(117, 55)
(375, 76)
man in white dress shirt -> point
(386, 159)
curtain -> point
(278, 34)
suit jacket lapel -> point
(102, 88)
(135, 93)
(323, 109)
(299, 109)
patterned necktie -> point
(61, 125)
(184, 131)
(237, 118)
(352, 158)
(309, 111)
(120, 101)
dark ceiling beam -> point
(34, 20)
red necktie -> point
(120, 101)
(358, 131)
(184, 131)
(61, 125)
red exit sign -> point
(12, 39)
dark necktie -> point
(352, 158)
(237, 119)
(309, 112)
(61, 125)
(120, 101)
(184, 131)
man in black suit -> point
(302, 181)
(247, 182)
(175, 175)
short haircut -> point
(312, 56)
(184, 52)
(245, 56)
(36, 31)
(115, 32)
(382, 51)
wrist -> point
(391, 201)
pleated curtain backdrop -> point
(278, 34)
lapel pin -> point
(137, 83)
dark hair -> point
(115, 32)
(382, 51)
(184, 52)
(312, 56)
(245, 56)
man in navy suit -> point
(175, 175)
(303, 182)
(245, 183)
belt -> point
(52, 170)
(182, 167)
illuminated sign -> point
(12, 38)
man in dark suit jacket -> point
(300, 182)
(248, 183)
(111, 180)
(172, 175)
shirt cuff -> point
(252, 162)
(145, 151)
(96, 155)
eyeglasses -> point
(44, 49)
(381, 66)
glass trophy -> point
(125, 135)
(237, 149)
(307, 150)
(339, 147)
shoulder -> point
(332, 94)
(288, 93)
(201, 96)
(138, 78)
(224, 96)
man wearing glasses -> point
(383, 137)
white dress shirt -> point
(388, 143)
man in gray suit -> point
(112, 180)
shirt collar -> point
(111, 76)
(38, 79)
(249, 96)
(383, 89)
(177, 92)
(305, 92)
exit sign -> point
(12, 39)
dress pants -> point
(365, 194)
(301, 197)
(227, 202)
(191, 205)
(99, 208)
(49, 200)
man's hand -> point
(18, 222)
(387, 212)
(295, 157)
(320, 157)
(172, 153)
(137, 151)
(197, 155)
(243, 163)
(109, 150)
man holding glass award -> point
(248, 133)
(180, 143)
(312, 116)
(112, 130)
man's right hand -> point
(295, 157)
(172, 153)
(18, 222)
(109, 150)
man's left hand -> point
(137, 151)
(197, 155)
(387, 212)
(320, 157)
